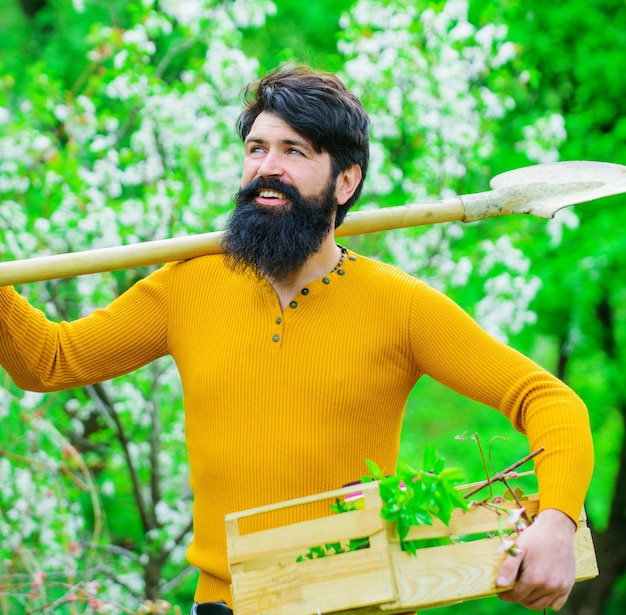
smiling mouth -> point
(272, 194)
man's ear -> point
(347, 182)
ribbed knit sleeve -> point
(42, 355)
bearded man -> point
(290, 340)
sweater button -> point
(326, 280)
(293, 305)
(305, 291)
(275, 337)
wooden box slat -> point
(349, 580)
(304, 535)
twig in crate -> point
(502, 476)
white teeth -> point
(271, 194)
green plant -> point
(413, 497)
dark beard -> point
(277, 241)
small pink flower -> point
(92, 587)
(515, 515)
(37, 579)
(402, 486)
(71, 597)
(520, 526)
(509, 547)
(75, 548)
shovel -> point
(539, 190)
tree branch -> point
(99, 395)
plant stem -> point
(482, 457)
(517, 501)
(501, 476)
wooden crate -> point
(380, 579)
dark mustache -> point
(252, 190)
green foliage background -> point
(568, 62)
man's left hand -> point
(545, 569)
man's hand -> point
(545, 569)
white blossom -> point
(564, 219)
(5, 406)
(543, 138)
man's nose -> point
(271, 166)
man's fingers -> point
(544, 603)
(531, 594)
(509, 570)
(538, 601)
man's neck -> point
(318, 265)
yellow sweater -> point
(280, 405)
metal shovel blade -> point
(543, 189)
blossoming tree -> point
(95, 501)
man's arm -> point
(41, 355)
(454, 350)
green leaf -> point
(403, 526)
(406, 470)
(458, 501)
(423, 517)
(334, 546)
(445, 508)
(453, 475)
(374, 469)
(359, 543)
(410, 546)
(518, 491)
(430, 458)
(390, 510)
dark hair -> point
(318, 106)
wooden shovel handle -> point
(130, 256)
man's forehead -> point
(270, 127)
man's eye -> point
(295, 152)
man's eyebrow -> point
(301, 143)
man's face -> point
(286, 206)
(275, 150)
